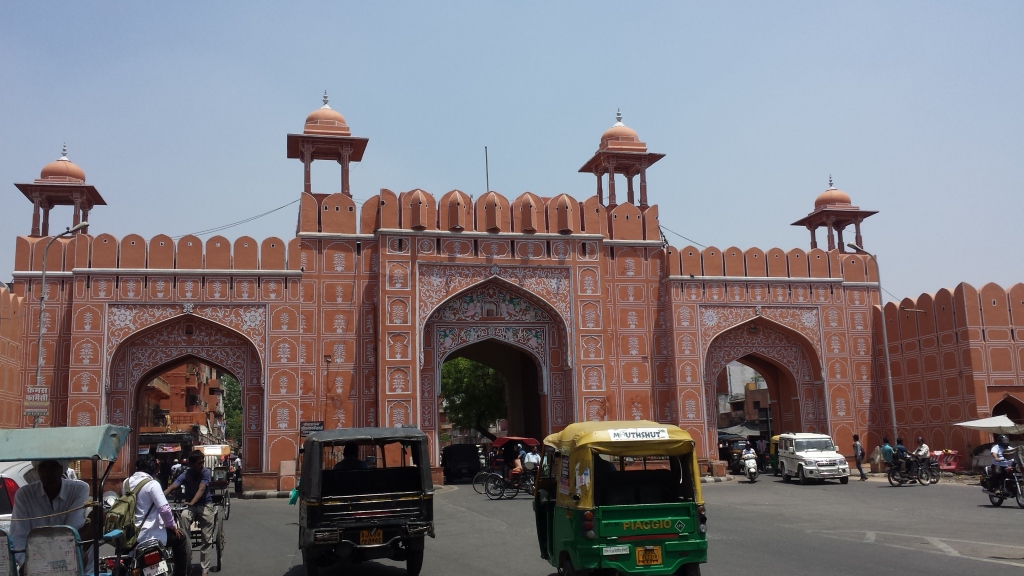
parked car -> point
(811, 457)
(13, 475)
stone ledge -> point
(264, 494)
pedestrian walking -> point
(858, 455)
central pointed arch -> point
(499, 311)
(790, 366)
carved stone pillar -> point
(611, 184)
(629, 190)
(35, 215)
(344, 172)
(46, 218)
(814, 238)
(643, 184)
(600, 186)
(307, 159)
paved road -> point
(765, 528)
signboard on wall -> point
(307, 427)
(37, 400)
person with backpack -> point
(153, 517)
(196, 480)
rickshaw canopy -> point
(502, 440)
(623, 438)
(65, 443)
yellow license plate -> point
(367, 537)
(648, 555)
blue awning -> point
(70, 443)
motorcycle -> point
(1012, 485)
(149, 557)
(750, 467)
(914, 470)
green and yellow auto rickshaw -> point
(621, 496)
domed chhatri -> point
(621, 137)
(832, 197)
(62, 170)
(326, 120)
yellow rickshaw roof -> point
(624, 437)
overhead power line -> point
(233, 224)
(683, 237)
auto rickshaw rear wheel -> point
(309, 564)
(689, 570)
(565, 567)
(414, 561)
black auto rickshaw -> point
(365, 493)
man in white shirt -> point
(52, 501)
(153, 514)
(532, 457)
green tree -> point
(474, 395)
(232, 408)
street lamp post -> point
(885, 337)
(42, 305)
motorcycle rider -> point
(922, 452)
(999, 461)
(901, 455)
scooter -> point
(750, 467)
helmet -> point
(1003, 440)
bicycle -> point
(480, 480)
(497, 486)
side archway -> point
(146, 352)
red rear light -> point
(11, 487)
(151, 558)
(588, 515)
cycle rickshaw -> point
(60, 550)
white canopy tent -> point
(995, 425)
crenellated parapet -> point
(458, 213)
(160, 253)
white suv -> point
(811, 457)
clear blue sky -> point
(178, 114)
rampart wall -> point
(12, 317)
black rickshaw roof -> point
(366, 435)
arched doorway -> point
(1013, 409)
(517, 328)
(149, 352)
(522, 375)
(791, 371)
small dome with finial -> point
(327, 121)
(62, 170)
(621, 137)
(832, 197)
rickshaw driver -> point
(196, 479)
(51, 501)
